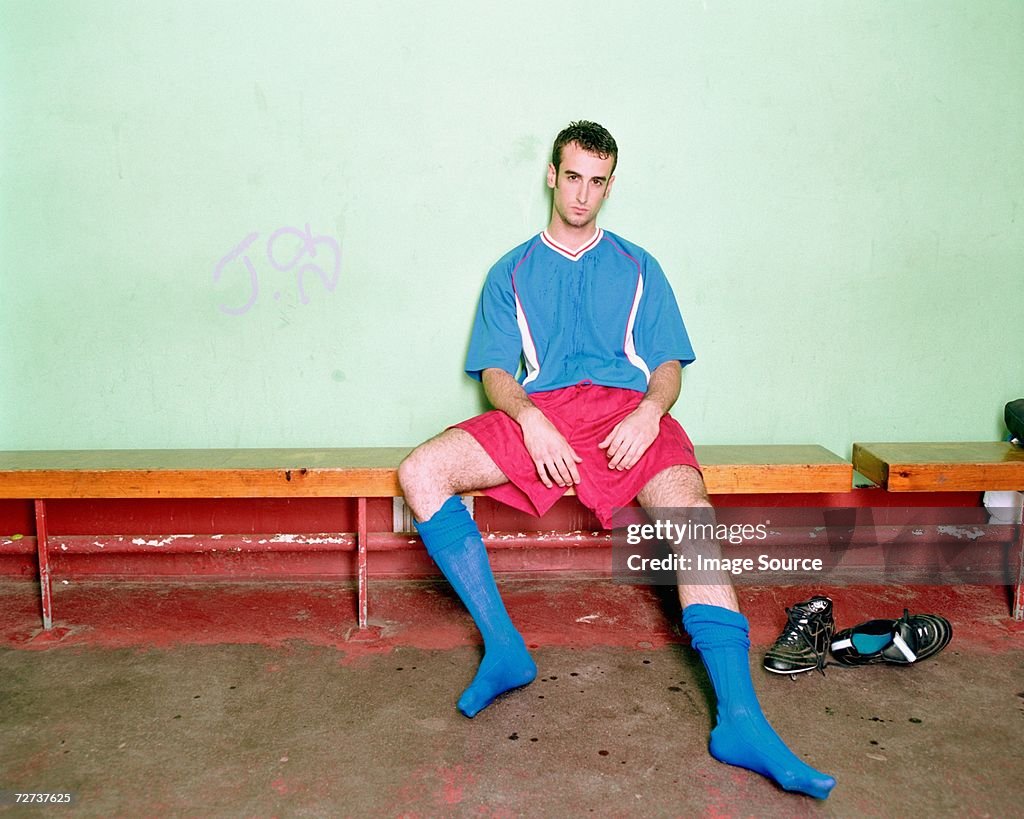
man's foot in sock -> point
(500, 671)
(747, 740)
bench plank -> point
(201, 473)
(941, 467)
(350, 472)
(773, 469)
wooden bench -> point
(944, 467)
(41, 476)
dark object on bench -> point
(1014, 415)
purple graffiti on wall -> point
(291, 258)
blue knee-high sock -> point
(453, 541)
(742, 735)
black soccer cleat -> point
(910, 639)
(803, 644)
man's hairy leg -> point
(742, 736)
(682, 488)
(432, 477)
(448, 464)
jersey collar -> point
(573, 256)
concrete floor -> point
(263, 700)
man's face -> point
(580, 185)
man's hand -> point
(552, 455)
(631, 437)
(554, 458)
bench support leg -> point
(361, 557)
(1018, 590)
(42, 550)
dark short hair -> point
(591, 137)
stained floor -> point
(263, 700)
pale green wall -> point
(833, 188)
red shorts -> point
(584, 414)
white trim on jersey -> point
(529, 350)
(572, 255)
(630, 347)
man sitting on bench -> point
(592, 319)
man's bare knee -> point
(422, 469)
(448, 464)
(414, 468)
(675, 487)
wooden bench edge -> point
(939, 475)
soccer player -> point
(580, 346)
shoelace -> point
(799, 629)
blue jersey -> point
(553, 318)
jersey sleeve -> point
(659, 333)
(495, 341)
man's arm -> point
(636, 432)
(552, 455)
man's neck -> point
(569, 237)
